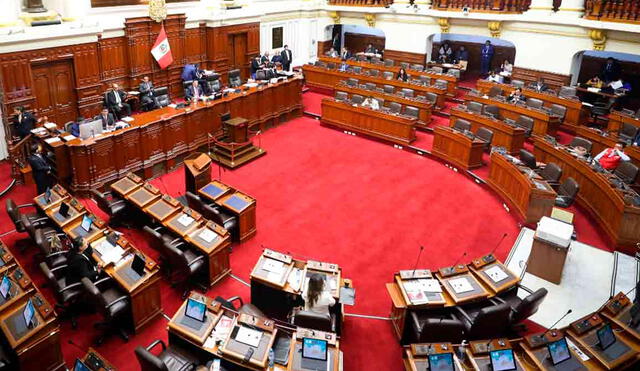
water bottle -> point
(272, 357)
(462, 354)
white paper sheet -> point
(207, 235)
(430, 285)
(461, 285)
(185, 220)
(274, 266)
(248, 336)
(496, 273)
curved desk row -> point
(504, 135)
(617, 118)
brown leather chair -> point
(51, 258)
(411, 111)
(395, 107)
(526, 123)
(528, 159)
(227, 221)
(522, 309)
(428, 329)
(475, 107)
(581, 142)
(170, 359)
(462, 125)
(342, 96)
(495, 90)
(628, 132)
(489, 322)
(313, 320)
(486, 136)
(114, 207)
(188, 266)
(567, 192)
(493, 110)
(627, 172)
(112, 303)
(16, 214)
(551, 173)
(68, 295)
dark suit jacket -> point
(39, 170)
(286, 56)
(24, 126)
(345, 55)
(111, 99)
(81, 266)
(109, 121)
(370, 50)
(541, 88)
(254, 65)
(146, 90)
(191, 92)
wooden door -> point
(240, 54)
(55, 91)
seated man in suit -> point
(343, 66)
(346, 54)
(194, 92)
(539, 86)
(277, 58)
(23, 121)
(610, 158)
(516, 96)
(81, 264)
(107, 119)
(256, 64)
(146, 94)
(370, 49)
(332, 53)
(114, 100)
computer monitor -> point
(90, 129)
(80, 366)
(64, 209)
(441, 362)
(86, 223)
(5, 287)
(606, 336)
(138, 264)
(559, 351)
(28, 312)
(195, 309)
(314, 349)
(502, 360)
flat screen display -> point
(559, 351)
(441, 362)
(195, 309)
(502, 360)
(314, 349)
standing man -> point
(40, 169)
(287, 57)
(346, 54)
(486, 56)
(23, 121)
(611, 70)
(146, 94)
(106, 118)
(115, 101)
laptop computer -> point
(502, 360)
(80, 366)
(560, 356)
(86, 223)
(609, 344)
(314, 354)
(194, 314)
(441, 362)
(5, 288)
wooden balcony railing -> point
(627, 11)
(489, 6)
(361, 2)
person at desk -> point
(371, 103)
(146, 94)
(610, 158)
(81, 264)
(194, 92)
(115, 101)
(610, 70)
(75, 127)
(506, 68)
(402, 75)
(494, 77)
(345, 54)
(265, 60)
(287, 58)
(343, 66)
(486, 54)
(539, 85)
(255, 66)
(332, 53)
(516, 96)
(107, 118)
(40, 169)
(276, 59)
(462, 55)
(444, 53)
(23, 121)
(316, 298)
(370, 49)
(595, 82)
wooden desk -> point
(93, 356)
(541, 359)
(620, 221)
(58, 195)
(415, 357)
(75, 229)
(164, 208)
(543, 123)
(504, 135)
(184, 222)
(617, 118)
(126, 185)
(244, 208)
(478, 292)
(486, 275)
(577, 114)
(76, 211)
(452, 81)
(214, 190)
(600, 143)
(424, 107)
(618, 311)
(217, 250)
(393, 128)
(532, 198)
(457, 148)
(329, 79)
(144, 196)
(238, 129)
(588, 341)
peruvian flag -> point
(161, 50)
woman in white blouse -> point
(316, 298)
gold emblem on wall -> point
(157, 10)
(335, 16)
(599, 38)
(495, 27)
(370, 19)
(444, 24)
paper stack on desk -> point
(109, 253)
(185, 220)
(249, 336)
(274, 268)
(430, 285)
(461, 285)
(207, 235)
(415, 292)
(295, 279)
(496, 273)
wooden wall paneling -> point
(16, 77)
(139, 44)
(103, 159)
(152, 145)
(324, 46)
(114, 59)
(500, 54)
(400, 56)
(127, 157)
(357, 42)
(175, 136)
(220, 53)
(195, 44)
(528, 75)
(81, 165)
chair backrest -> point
(395, 107)
(462, 125)
(357, 99)
(437, 69)
(161, 97)
(569, 188)
(212, 213)
(261, 75)
(439, 330)
(627, 171)
(528, 306)
(567, 91)
(313, 320)
(370, 86)
(375, 60)
(558, 110)
(432, 97)
(53, 281)
(495, 90)
(404, 65)
(407, 92)
(374, 73)
(534, 103)
(551, 172)
(389, 62)
(352, 82)
(14, 214)
(412, 111)
(492, 109)
(454, 72)
(342, 96)
(517, 83)
(581, 142)
(628, 130)
(94, 295)
(380, 101)
(42, 242)
(425, 79)
(67, 126)
(525, 122)
(357, 69)
(194, 201)
(417, 67)
(148, 361)
(387, 75)
(475, 107)
(155, 236)
(389, 89)
(490, 322)
(528, 158)
(485, 134)
(234, 78)
(331, 65)
(443, 84)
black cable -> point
(6, 190)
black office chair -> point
(442, 84)
(528, 159)
(357, 69)
(429, 329)
(185, 87)
(227, 221)
(249, 308)
(404, 65)
(112, 303)
(32, 230)
(67, 128)
(581, 142)
(600, 110)
(187, 266)
(352, 82)
(374, 73)
(462, 125)
(342, 96)
(161, 97)
(489, 322)
(567, 192)
(50, 257)
(551, 173)
(15, 214)
(234, 78)
(389, 89)
(69, 295)
(486, 136)
(331, 66)
(628, 132)
(194, 201)
(522, 309)
(116, 208)
(169, 359)
(526, 123)
(213, 83)
(454, 72)
(261, 75)
(492, 110)
(313, 320)
(475, 107)
(627, 172)
(417, 67)
(357, 99)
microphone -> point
(489, 258)
(453, 267)
(536, 339)
(413, 275)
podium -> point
(234, 148)
(549, 251)
(197, 172)
(237, 129)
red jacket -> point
(610, 162)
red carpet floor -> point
(333, 197)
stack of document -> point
(274, 268)
(109, 253)
(185, 220)
(52, 140)
(219, 332)
(496, 273)
(207, 235)
(249, 336)
(414, 291)
(127, 119)
(460, 285)
(50, 125)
